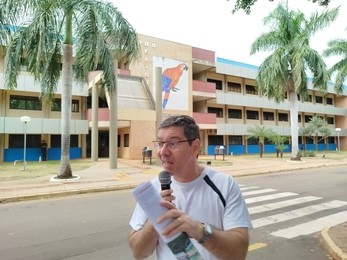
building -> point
(170, 78)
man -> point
(204, 203)
(43, 147)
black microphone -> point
(165, 180)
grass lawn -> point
(35, 169)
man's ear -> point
(196, 146)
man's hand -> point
(180, 222)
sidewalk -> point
(131, 173)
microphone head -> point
(164, 177)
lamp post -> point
(338, 130)
(25, 120)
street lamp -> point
(338, 130)
(25, 120)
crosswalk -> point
(290, 215)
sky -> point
(210, 24)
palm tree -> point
(285, 70)
(85, 35)
(338, 47)
(317, 130)
(259, 132)
(278, 141)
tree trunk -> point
(261, 147)
(65, 167)
(293, 106)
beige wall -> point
(154, 47)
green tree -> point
(278, 141)
(317, 130)
(246, 5)
(285, 70)
(83, 35)
(260, 133)
(338, 47)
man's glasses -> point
(171, 144)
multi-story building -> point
(170, 78)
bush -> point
(309, 153)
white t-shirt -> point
(221, 206)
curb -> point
(65, 193)
(331, 247)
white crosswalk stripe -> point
(255, 192)
(270, 197)
(298, 210)
(311, 226)
(243, 188)
(281, 204)
(260, 222)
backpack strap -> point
(214, 187)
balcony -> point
(203, 90)
(103, 114)
(203, 60)
(203, 55)
(205, 120)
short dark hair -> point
(191, 129)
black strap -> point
(214, 187)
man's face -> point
(174, 150)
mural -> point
(174, 83)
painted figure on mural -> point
(170, 78)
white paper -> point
(180, 244)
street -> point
(288, 211)
(291, 208)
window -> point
(330, 120)
(27, 103)
(308, 98)
(118, 140)
(299, 118)
(56, 105)
(23, 64)
(219, 83)
(234, 87)
(319, 99)
(216, 110)
(252, 114)
(235, 140)
(283, 117)
(102, 102)
(329, 101)
(56, 141)
(253, 141)
(17, 141)
(251, 90)
(308, 118)
(75, 106)
(331, 139)
(235, 113)
(215, 140)
(126, 140)
(269, 116)
(309, 140)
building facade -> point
(170, 78)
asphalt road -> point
(95, 226)
(288, 227)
